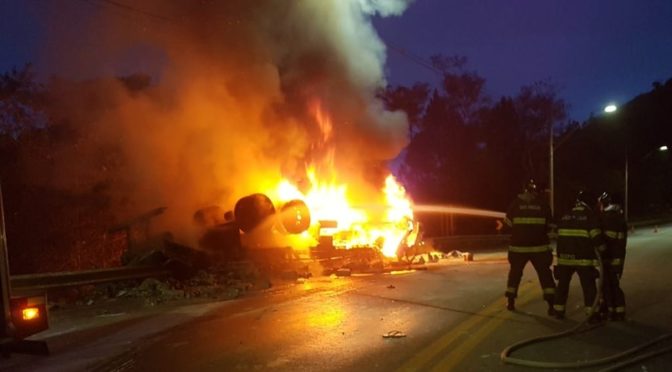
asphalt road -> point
(451, 317)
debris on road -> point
(466, 256)
(394, 334)
(343, 272)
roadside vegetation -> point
(465, 148)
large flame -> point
(356, 226)
(227, 111)
(386, 223)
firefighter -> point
(529, 220)
(615, 235)
(579, 236)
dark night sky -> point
(597, 51)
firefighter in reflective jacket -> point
(529, 220)
(579, 236)
(615, 234)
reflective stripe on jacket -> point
(615, 229)
(577, 262)
(530, 249)
(579, 235)
(528, 218)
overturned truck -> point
(286, 236)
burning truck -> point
(321, 213)
(246, 97)
(319, 224)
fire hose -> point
(506, 358)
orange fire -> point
(355, 226)
(383, 226)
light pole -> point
(551, 150)
(609, 109)
(662, 148)
(625, 197)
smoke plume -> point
(236, 89)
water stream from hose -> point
(450, 209)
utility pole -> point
(626, 185)
(551, 182)
(5, 294)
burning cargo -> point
(320, 224)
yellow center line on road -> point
(424, 357)
(451, 360)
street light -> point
(662, 148)
(609, 109)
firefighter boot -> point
(550, 311)
(511, 304)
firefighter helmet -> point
(604, 199)
(530, 186)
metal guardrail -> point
(469, 242)
(41, 282)
(37, 282)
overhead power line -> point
(415, 59)
(136, 10)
